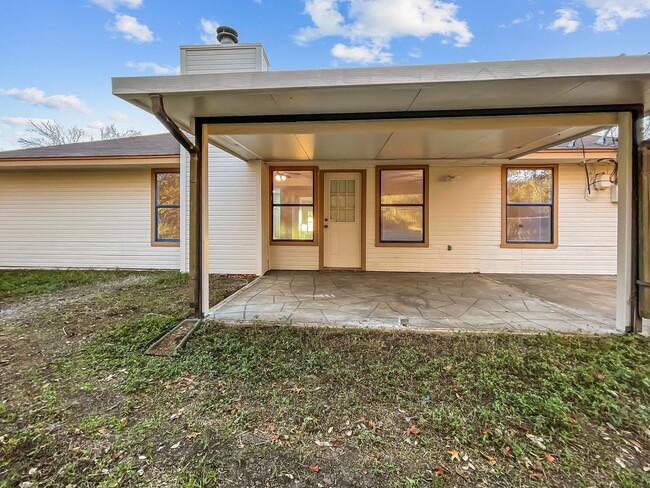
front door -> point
(342, 220)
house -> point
(103, 204)
(419, 168)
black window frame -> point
(157, 206)
(552, 205)
(423, 206)
(313, 172)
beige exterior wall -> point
(79, 219)
(466, 214)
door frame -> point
(321, 203)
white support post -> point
(624, 245)
(205, 234)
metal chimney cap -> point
(227, 35)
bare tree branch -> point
(111, 132)
(52, 133)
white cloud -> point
(361, 54)
(131, 29)
(610, 14)
(36, 96)
(117, 116)
(373, 24)
(209, 31)
(154, 67)
(567, 21)
(22, 121)
(111, 5)
(415, 53)
(519, 20)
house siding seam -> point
(79, 219)
(466, 214)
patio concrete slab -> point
(428, 301)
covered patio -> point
(428, 301)
(475, 115)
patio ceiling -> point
(469, 86)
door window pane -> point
(342, 201)
(400, 186)
(402, 224)
(293, 223)
(529, 224)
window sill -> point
(402, 244)
(165, 244)
(294, 243)
(506, 245)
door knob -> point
(326, 219)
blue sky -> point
(59, 56)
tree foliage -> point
(53, 133)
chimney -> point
(227, 35)
(229, 56)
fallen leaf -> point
(439, 471)
(448, 367)
(103, 430)
(523, 428)
(507, 452)
(314, 469)
(176, 446)
(489, 459)
(535, 475)
(571, 419)
(192, 435)
(412, 430)
(550, 458)
(454, 455)
(600, 377)
(275, 438)
(487, 431)
(336, 443)
(538, 441)
(176, 414)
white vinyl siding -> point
(221, 58)
(234, 188)
(79, 219)
(466, 214)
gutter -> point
(196, 245)
(158, 109)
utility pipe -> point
(644, 231)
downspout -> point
(644, 233)
(158, 110)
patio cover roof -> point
(511, 85)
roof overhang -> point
(83, 163)
(486, 111)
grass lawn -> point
(281, 406)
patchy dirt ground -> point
(279, 406)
